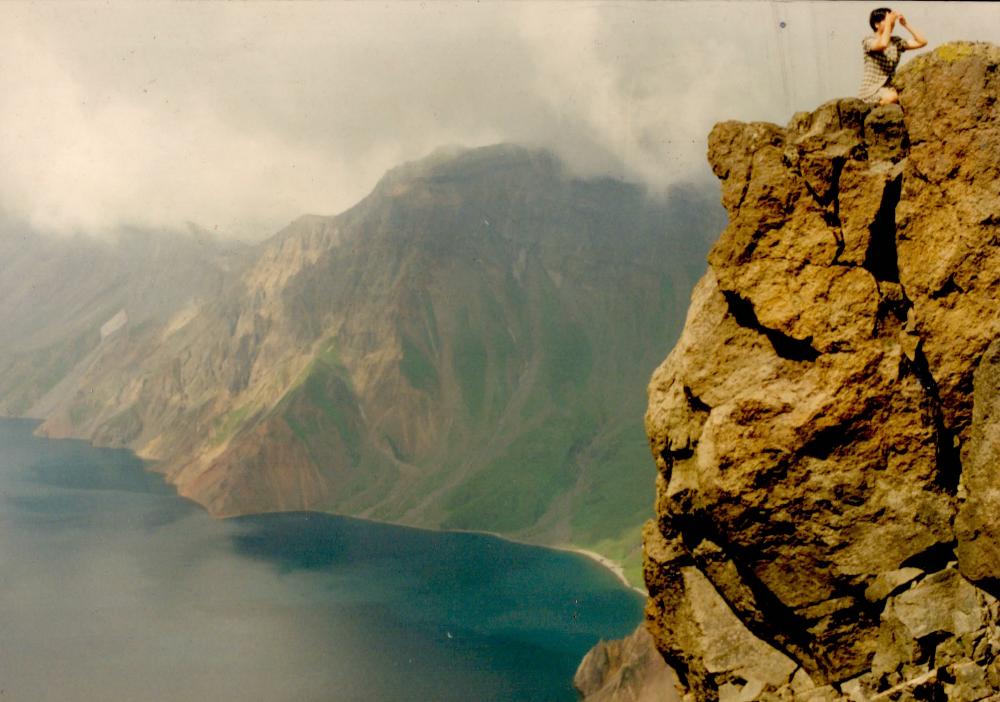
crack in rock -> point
(785, 346)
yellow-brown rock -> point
(814, 424)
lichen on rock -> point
(829, 471)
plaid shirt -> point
(880, 66)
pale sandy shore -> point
(611, 565)
(614, 566)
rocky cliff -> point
(626, 670)
(826, 430)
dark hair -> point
(877, 16)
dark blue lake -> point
(113, 588)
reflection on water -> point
(112, 588)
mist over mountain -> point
(467, 347)
(241, 116)
(59, 297)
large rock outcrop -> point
(826, 430)
(626, 670)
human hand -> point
(900, 19)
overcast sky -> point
(242, 116)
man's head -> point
(877, 16)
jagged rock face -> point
(976, 524)
(822, 457)
(627, 670)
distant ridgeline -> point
(827, 429)
(467, 347)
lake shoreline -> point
(608, 563)
(612, 565)
(300, 601)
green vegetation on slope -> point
(514, 490)
(470, 361)
(322, 411)
(612, 504)
(417, 367)
(567, 357)
(607, 516)
(226, 425)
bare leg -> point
(889, 96)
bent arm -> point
(918, 41)
(885, 36)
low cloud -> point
(241, 116)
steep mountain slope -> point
(61, 296)
(465, 348)
(825, 429)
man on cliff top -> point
(882, 52)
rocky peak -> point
(826, 428)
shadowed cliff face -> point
(825, 430)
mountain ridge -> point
(454, 351)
